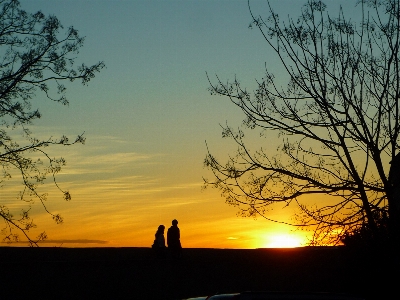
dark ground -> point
(135, 273)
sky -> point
(147, 117)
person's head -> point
(175, 222)
(161, 229)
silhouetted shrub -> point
(367, 237)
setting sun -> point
(284, 241)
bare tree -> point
(338, 117)
(35, 58)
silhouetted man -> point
(174, 239)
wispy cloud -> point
(129, 185)
(78, 241)
(95, 163)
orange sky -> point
(126, 211)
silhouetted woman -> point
(159, 241)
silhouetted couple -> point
(173, 240)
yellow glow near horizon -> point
(284, 241)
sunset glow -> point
(146, 118)
(284, 241)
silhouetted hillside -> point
(135, 273)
